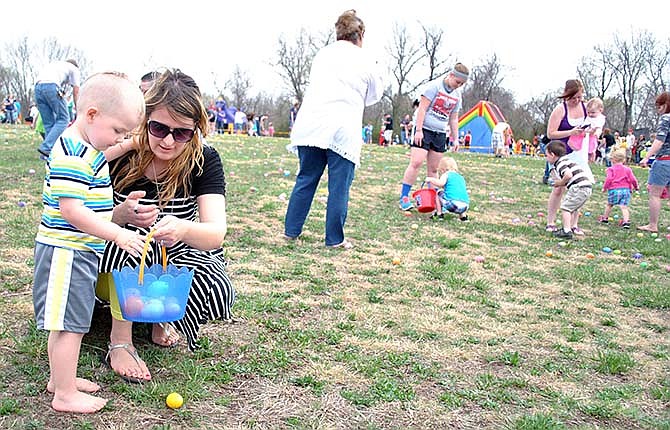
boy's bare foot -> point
(125, 362)
(82, 385)
(164, 335)
(78, 402)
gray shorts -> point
(575, 197)
(64, 288)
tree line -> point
(627, 73)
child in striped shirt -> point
(76, 222)
(577, 178)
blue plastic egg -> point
(157, 289)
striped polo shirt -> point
(75, 170)
(580, 177)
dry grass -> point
(345, 339)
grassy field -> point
(538, 335)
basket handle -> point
(144, 256)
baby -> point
(585, 145)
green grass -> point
(348, 339)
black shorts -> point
(433, 140)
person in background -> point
(564, 122)
(610, 142)
(343, 80)
(293, 115)
(438, 109)
(467, 140)
(76, 222)
(659, 174)
(405, 129)
(619, 182)
(388, 129)
(52, 85)
(10, 110)
(172, 183)
(630, 144)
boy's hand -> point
(130, 241)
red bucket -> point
(425, 199)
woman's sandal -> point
(133, 353)
(168, 332)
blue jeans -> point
(313, 161)
(546, 171)
(54, 113)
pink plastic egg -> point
(133, 306)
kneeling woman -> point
(173, 183)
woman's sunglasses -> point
(160, 130)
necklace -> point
(153, 167)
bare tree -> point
(596, 77)
(484, 84)
(658, 67)
(540, 109)
(294, 61)
(432, 44)
(628, 60)
(238, 84)
(406, 56)
(23, 74)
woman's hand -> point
(418, 137)
(577, 131)
(132, 212)
(170, 230)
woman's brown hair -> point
(572, 87)
(663, 100)
(349, 27)
(180, 96)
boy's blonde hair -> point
(448, 164)
(108, 92)
(618, 156)
(595, 102)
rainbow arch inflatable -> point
(480, 120)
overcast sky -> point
(539, 42)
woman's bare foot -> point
(82, 385)
(648, 228)
(125, 362)
(167, 336)
(78, 402)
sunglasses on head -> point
(160, 130)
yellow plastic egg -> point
(174, 401)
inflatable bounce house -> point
(480, 120)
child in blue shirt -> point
(454, 197)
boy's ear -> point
(91, 112)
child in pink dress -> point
(619, 181)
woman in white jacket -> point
(343, 80)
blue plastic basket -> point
(159, 295)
